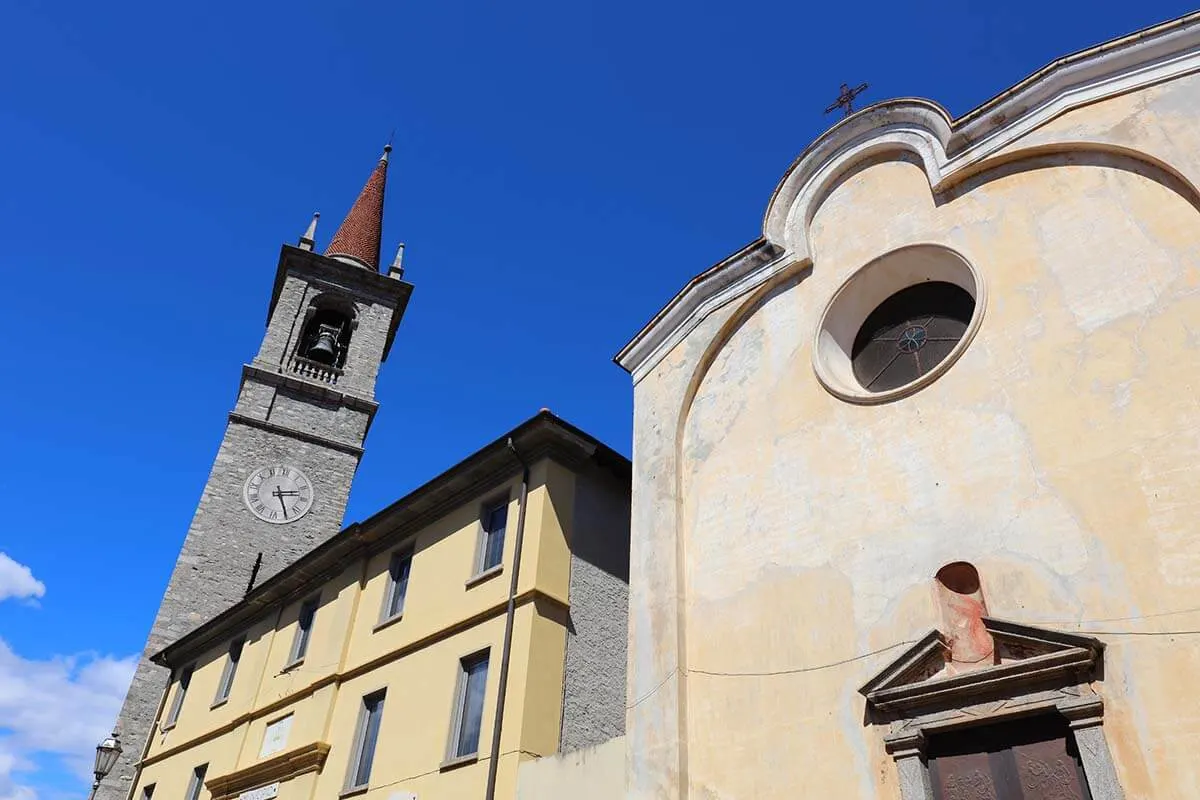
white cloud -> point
(59, 707)
(10, 762)
(16, 580)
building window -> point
(196, 784)
(304, 629)
(231, 665)
(148, 792)
(468, 705)
(185, 679)
(910, 333)
(898, 323)
(365, 737)
(393, 601)
(326, 338)
(491, 545)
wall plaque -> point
(261, 793)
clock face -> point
(278, 494)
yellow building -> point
(374, 665)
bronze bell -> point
(324, 349)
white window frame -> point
(303, 638)
(229, 671)
(148, 791)
(196, 782)
(387, 613)
(181, 690)
(360, 740)
(460, 706)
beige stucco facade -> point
(591, 773)
(785, 539)
(449, 613)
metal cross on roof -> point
(845, 100)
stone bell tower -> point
(293, 442)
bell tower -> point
(282, 475)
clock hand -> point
(278, 494)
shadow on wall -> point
(1051, 157)
(602, 516)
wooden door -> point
(1031, 759)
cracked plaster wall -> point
(1057, 456)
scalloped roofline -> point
(949, 148)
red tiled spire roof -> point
(358, 237)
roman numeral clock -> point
(278, 494)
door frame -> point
(1041, 671)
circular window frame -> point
(862, 293)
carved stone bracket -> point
(907, 747)
(1085, 718)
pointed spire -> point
(310, 236)
(357, 240)
(396, 270)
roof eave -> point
(544, 435)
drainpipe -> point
(510, 615)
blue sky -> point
(561, 169)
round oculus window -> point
(909, 334)
(898, 323)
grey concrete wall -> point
(594, 677)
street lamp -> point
(107, 753)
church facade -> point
(914, 509)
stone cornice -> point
(1056, 658)
(361, 281)
(949, 150)
(930, 646)
(1067, 665)
(277, 377)
(745, 270)
(282, 767)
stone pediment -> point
(1025, 656)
